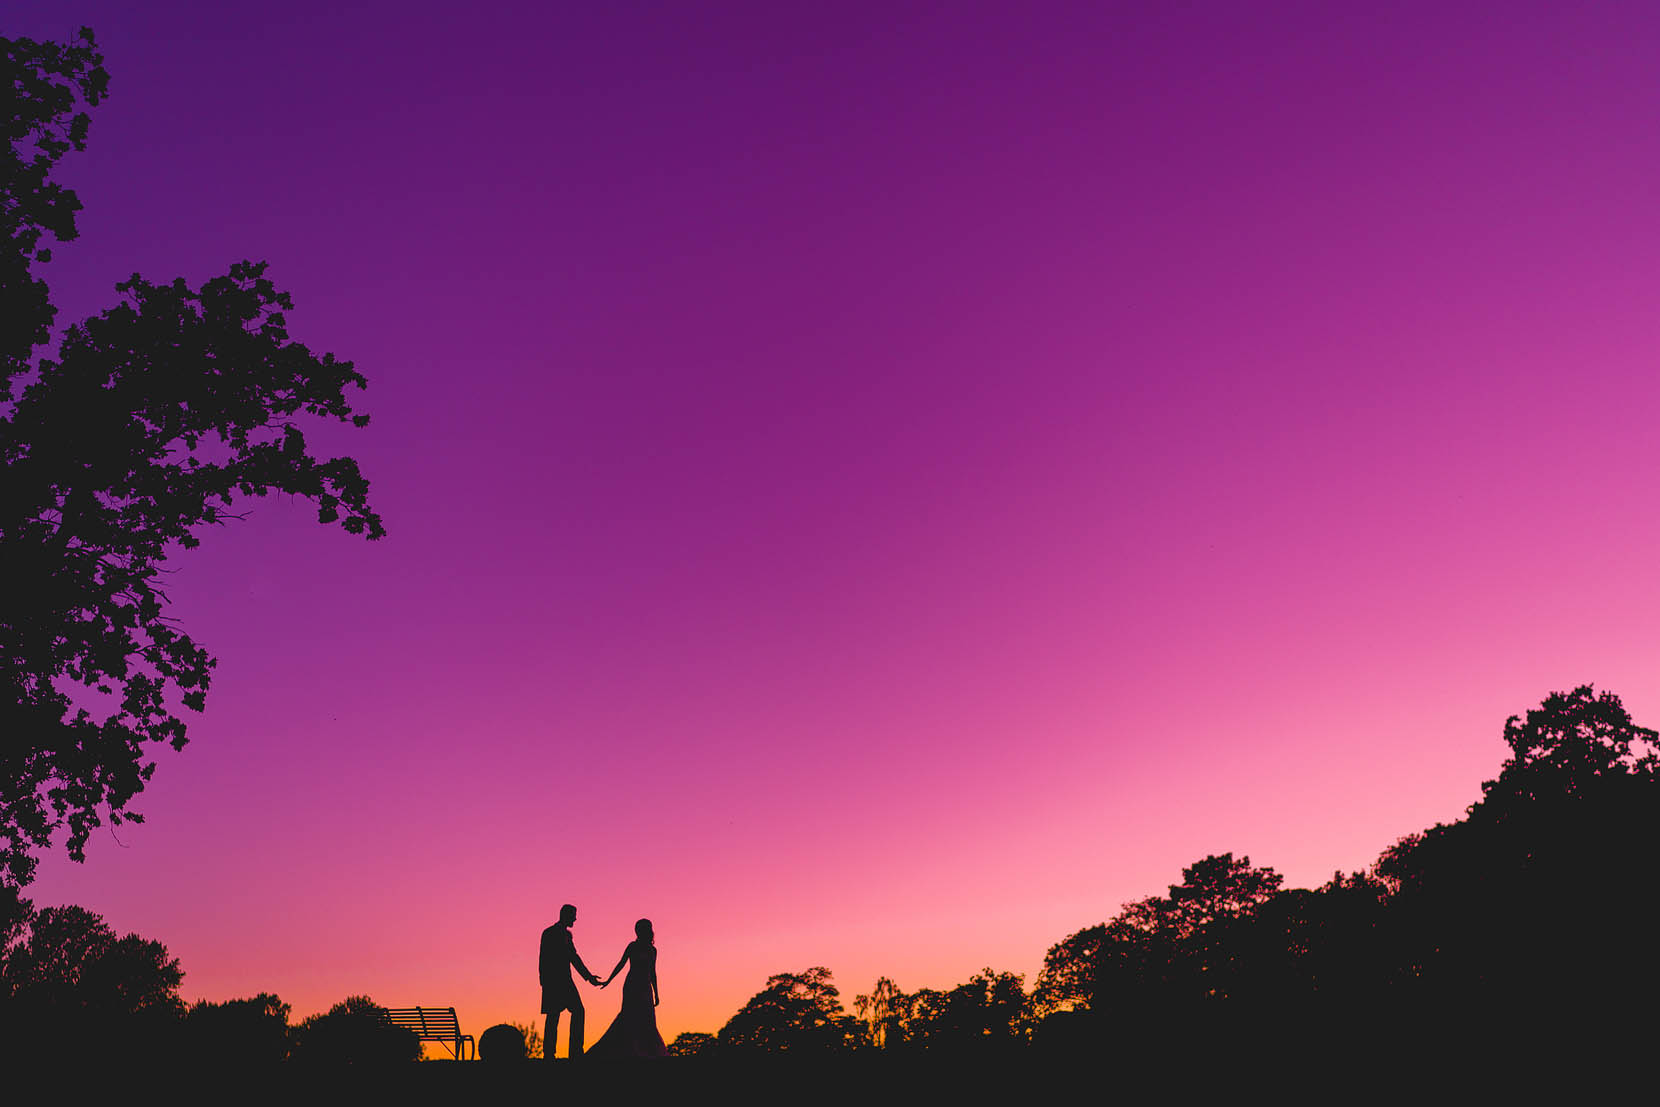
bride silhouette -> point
(634, 1031)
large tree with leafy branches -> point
(138, 430)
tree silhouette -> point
(798, 1013)
(1570, 745)
(1523, 918)
(354, 1031)
(1325, 946)
(1533, 903)
(66, 979)
(884, 1012)
(1072, 973)
(250, 1031)
(1125, 965)
(691, 1043)
(71, 962)
(1215, 889)
(153, 420)
(1161, 948)
(983, 1013)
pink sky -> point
(878, 488)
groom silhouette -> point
(559, 993)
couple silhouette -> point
(634, 1031)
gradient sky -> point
(879, 486)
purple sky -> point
(879, 487)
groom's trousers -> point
(555, 1000)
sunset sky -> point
(874, 485)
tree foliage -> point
(883, 1010)
(1217, 889)
(354, 1031)
(150, 424)
(1530, 911)
(1072, 973)
(45, 118)
(1570, 745)
(251, 1031)
(1159, 946)
(985, 1012)
(693, 1043)
(795, 1013)
(66, 963)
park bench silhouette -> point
(434, 1024)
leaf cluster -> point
(45, 118)
(1572, 745)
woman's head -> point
(642, 930)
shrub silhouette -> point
(239, 1031)
(502, 1043)
(692, 1043)
(354, 1031)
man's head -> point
(567, 914)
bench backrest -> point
(429, 1023)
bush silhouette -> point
(502, 1043)
(691, 1043)
(239, 1031)
(355, 1031)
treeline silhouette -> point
(1527, 919)
(70, 987)
(1523, 925)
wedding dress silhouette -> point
(634, 1031)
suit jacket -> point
(558, 956)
